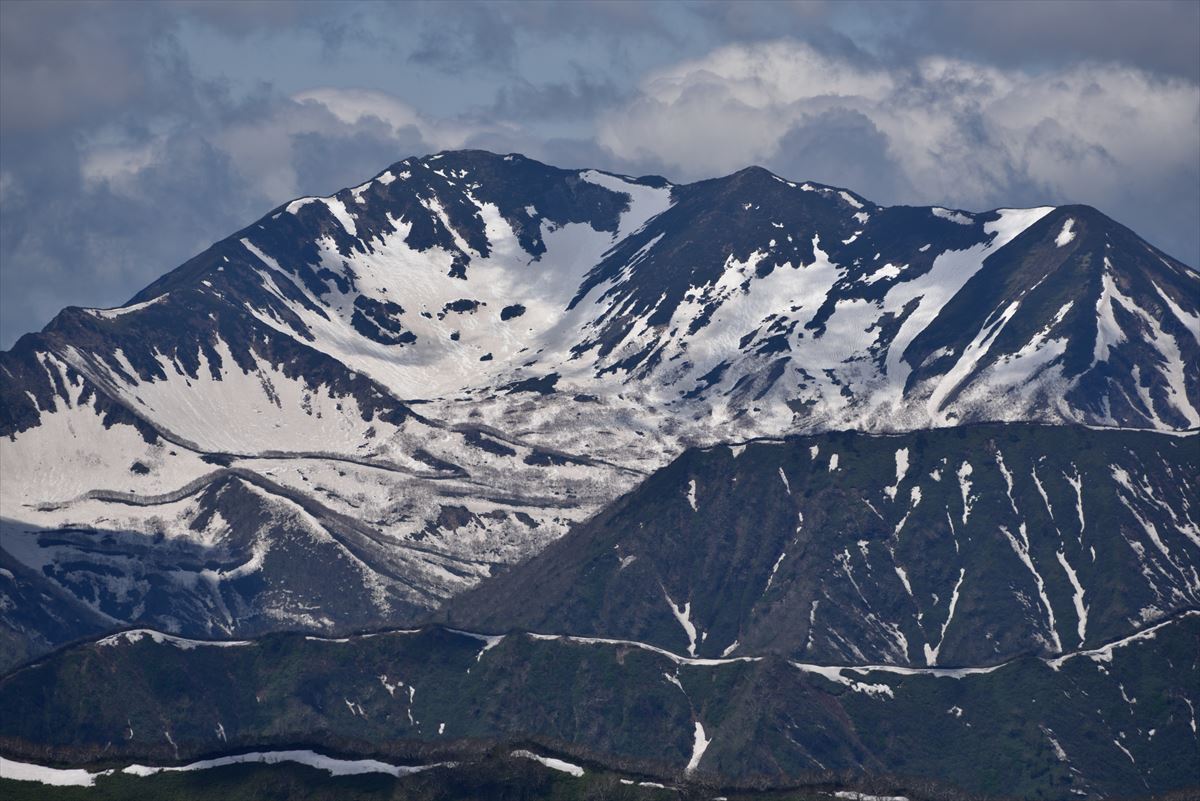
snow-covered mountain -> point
(361, 405)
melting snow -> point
(57, 777)
(901, 469)
(1021, 547)
(684, 615)
(676, 658)
(1058, 749)
(1076, 482)
(774, 570)
(834, 674)
(299, 203)
(849, 198)
(699, 746)
(645, 202)
(109, 314)
(1081, 610)
(931, 652)
(964, 484)
(1067, 234)
(489, 641)
(952, 216)
(551, 762)
(136, 635)
(1105, 652)
(888, 270)
(336, 767)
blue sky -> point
(132, 135)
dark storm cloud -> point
(470, 36)
(844, 148)
(326, 163)
(61, 63)
(65, 241)
(580, 96)
(118, 163)
(1156, 36)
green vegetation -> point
(614, 707)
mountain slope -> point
(1118, 720)
(963, 546)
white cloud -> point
(957, 132)
(351, 106)
(355, 106)
(730, 108)
(116, 163)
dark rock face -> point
(509, 312)
(964, 546)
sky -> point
(135, 134)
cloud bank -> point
(130, 141)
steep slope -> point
(441, 370)
(963, 546)
(1118, 720)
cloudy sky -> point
(134, 134)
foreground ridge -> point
(435, 695)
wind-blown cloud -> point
(945, 131)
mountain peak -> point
(634, 277)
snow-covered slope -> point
(438, 371)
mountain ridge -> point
(444, 694)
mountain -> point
(746, 482)
(1117, 720)
(964, 546)
(362, 405)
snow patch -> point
(55, 777)
(551, 762)
(684, 615)
(136, 635)
(952, 216)
(699, 746)
(901, 469)
(335, 767)
(1067, 235)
